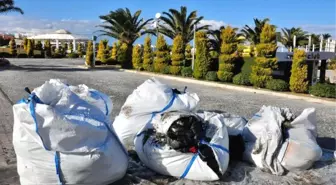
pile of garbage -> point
(64, 134)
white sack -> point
(69, 141)
(150, 97)
(264, 147)
(170, 162)
(264, 138)
(94, 97)
(301, 150)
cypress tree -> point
(47, 48)
(266, 60)
(148, 55)
(177, 55)
(228, 55)
(161, 60)
(12, 49)
(30, 48)
(298, 80)
(202, 61)
(137, 57)
(89, 53)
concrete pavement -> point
(33, 72)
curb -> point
(238, 88)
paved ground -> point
(33, 72)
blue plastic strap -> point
(32, 100)
(58, 168)
(106, 107)
(170, 103)
(215, 146)
(186, 171)
(256, 115)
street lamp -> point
(194, 49)
(156, 23)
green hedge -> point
(277, 85)
(211, 76)
(323, 90)
(187, 71)
(242, 79)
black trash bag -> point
(185, 135)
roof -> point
(59, 35)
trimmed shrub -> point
(277, 85)
(89, 54)
(137, 57)
(228, 54)
(110, 61)
(12, 48)
(211, 76)
(177, 55)
(114, 51)
(332, 64)
(148, 55)
(202, 62)
(102, 55)
(47, 49)
(122, 54)
(64, 47)
(298, 80)
(266, 60)
(58, 54)
(166, 70)
(161, 60)
(22, 55)
(188, 55)
(323, 90)
(80, 50)
(187, 71)
(70, 47)
(73, 55)
(30, 48)
(25, 44)
(241, 79)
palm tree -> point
(215, 39)
(287, 37)
(8, 6)
(178, 23)
(123, 26)
(253, 34)
(326, 36)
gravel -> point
(33, 72)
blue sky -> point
(80, 16)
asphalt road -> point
(33, 72)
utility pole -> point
(93, 64)
(194, 49)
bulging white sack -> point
(60, 138)
(300, 150)
(264, 135)
(150, 97)
(167, 161)
(94, 97)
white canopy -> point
(59, 35)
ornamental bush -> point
(188, 55)
(202, 61)
(187, 71)
(266, 60)
(177, 55)
(137, 57)
(298, 81)
(148, 55)
(12, 48)
(211, 76)
(241, 79)
(30, 48)
(102, 53)
(89, 53)
(277, 85)
(25, 44)
(161, 60)
(114, 51)
(323, 90)
(47, 49)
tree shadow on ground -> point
(34, 68)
